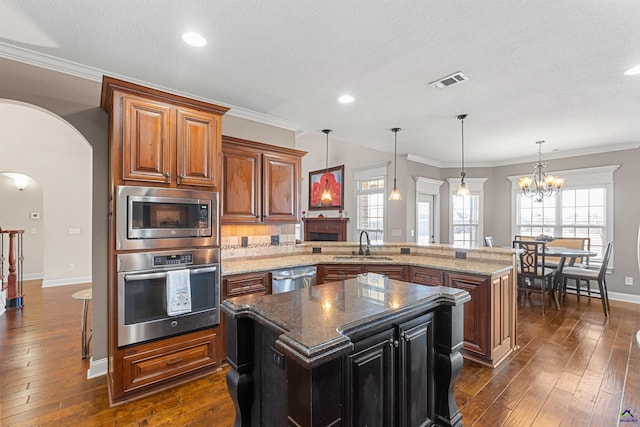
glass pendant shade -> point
(540, 184)
(395, 193)
(463, 190)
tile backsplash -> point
(240, 241)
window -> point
(465, 218)
(370, 208)
(584, 208)
(370, 192)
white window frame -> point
(476, 187)
(430, 187)
(576, 179)
(375, 170)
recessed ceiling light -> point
(346, 99)
(194, 39)
(633, 71)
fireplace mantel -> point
(325, 229)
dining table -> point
(563, 255)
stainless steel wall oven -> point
(152, 218)
(147, 303)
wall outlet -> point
(628, 281)
(275, 240)
(461, 255)
(34, 230)
(244, 241)
(72, 267)
(74, 230)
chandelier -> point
(540, 184)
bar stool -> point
(85, 295)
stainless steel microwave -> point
(152, 218)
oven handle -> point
(134, 277)
(161, 275)
(203, 270)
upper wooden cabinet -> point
(260, 182)
(161, 138)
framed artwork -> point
(333, 179)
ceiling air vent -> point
(450, 80)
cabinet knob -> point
(168, 174)
(181, 176)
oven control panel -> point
(161, 260)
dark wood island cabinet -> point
(364, 351)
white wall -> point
(16, 207)
(39, 144)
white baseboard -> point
(30, 276)
(97, 368)
(68, 281)
(619, 296)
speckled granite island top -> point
(318, 323)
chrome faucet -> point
(366, 251)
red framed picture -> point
(332, 180)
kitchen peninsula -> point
(364, 351)
(487, 274)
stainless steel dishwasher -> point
(291, 279)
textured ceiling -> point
(539, 70)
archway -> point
(43, 146)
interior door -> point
(424, 219)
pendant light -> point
(463, 190)
(395, 194)
(326, 196)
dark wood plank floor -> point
(573, 368)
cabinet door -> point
(333, 273)
(198, 148)
(241, 184)
(426, 276)
(281, 175)
(416, 372)
(397, 272)
(476, 312)
(370, 382)
(146, 140)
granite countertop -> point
(252, 265)
(316, 323)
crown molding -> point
(75, 69)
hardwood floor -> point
(572, 368)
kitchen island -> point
(364, 351)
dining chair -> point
(580, 274)
(533, 275)
(488, 241)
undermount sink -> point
(362, 257)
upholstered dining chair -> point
(533, 275)
(583, 274)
